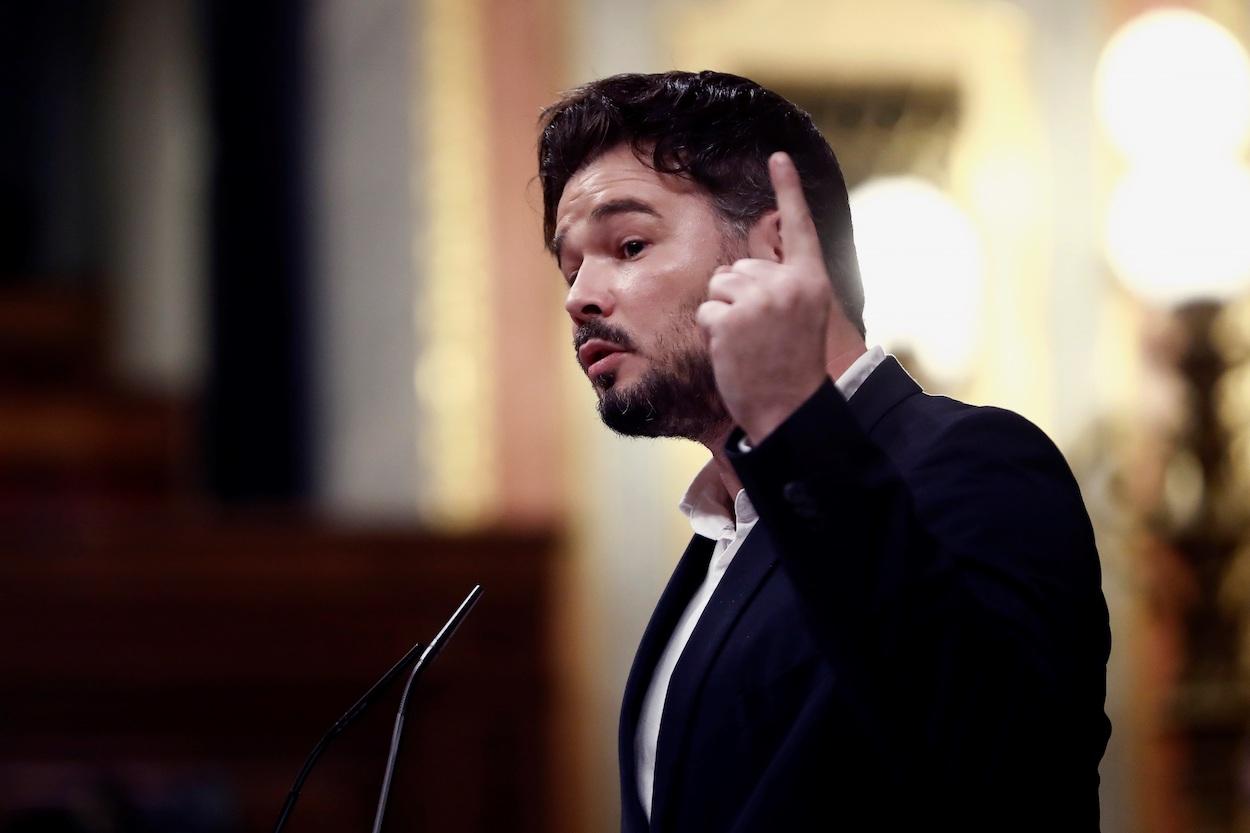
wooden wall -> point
(191, 662)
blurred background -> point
(284, 371)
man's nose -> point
(590, 296)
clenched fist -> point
(765, 322)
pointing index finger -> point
(798, 232)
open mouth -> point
(596, 355)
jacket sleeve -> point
(959, 600)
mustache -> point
(602, 330)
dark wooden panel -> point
(214, 652)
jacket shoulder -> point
(925, 428)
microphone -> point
(427, 657)
(419, 653)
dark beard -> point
(679, 400)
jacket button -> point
(801, 499)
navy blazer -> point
(912, 637)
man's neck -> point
(728, 477)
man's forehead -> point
(617, 174)
(603, 180)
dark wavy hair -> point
(716, 130)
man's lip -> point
(594, 350)
(601, 364)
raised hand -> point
(765, 321)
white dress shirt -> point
(704, 505)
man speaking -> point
(890, 615)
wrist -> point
(764, 424)
(758, 425)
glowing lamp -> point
(1179, 234)
(922, 267)
(1174, 81)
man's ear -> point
(764, 237)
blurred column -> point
(365, 220)
(526, 307)
(1067, 37)
(154, 139)
(256, 410)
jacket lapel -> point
(689, 574)
(750, 565)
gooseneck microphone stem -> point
(436, 645)
(343, 722)
(396, 736)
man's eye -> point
(571, 278)
(633, 248)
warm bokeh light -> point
(1175, 235)
(923, 272)
(1174, 79)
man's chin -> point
(624, 407)
(603, 383)
(627, 416)
(640, 410)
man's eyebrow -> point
(625, 205)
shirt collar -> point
(703, 507)
(860, 369)
(702, 504)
